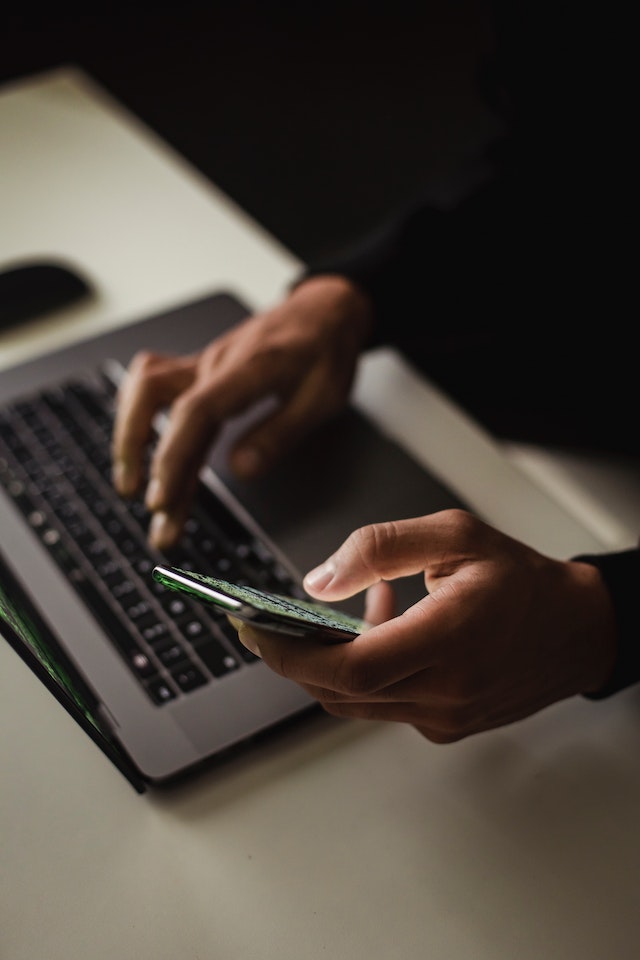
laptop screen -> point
(31, 637)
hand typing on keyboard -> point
(55, 464)
(304, 352)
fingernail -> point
(320, 577)
(152, 495)
(123, 478)
(163, 530)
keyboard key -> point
(173, 604)
(171, 653)
(154, 632)
(188, 678)
(231, 636)
(160, 691)
(216, 658)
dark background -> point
(318, 121)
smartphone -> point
(271, 611)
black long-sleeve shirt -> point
(520, 301)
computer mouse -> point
(33, 288)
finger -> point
(435, 728)
(380, 603)
(384, 655)
(308, 385)
(221, 389)
(191, 427)
(421, 686)
(174, 473)
(151, 382)
(437, 544)
(298, 414)
(420, 701)
(188, 431)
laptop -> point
(159, 681)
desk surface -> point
(341, 839)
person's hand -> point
(503, 632)
(303, 353)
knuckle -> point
(355, 678)
(459, 720)
(375, 542)
(458, 710)
(362, 683)
(360, 711)
(462, 523)
(144, 363)
(194, 404)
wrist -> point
(600, 644)
(340, 297)
(619, 575)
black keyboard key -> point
(129, 547)
(215, 657)
(136, 607)
(173, 604)
(120, 588)
(192, 628)
(154, 631)
(171, 653)
(110, 567)
(96, 548)
(144, 566)
(142, 664)
(160, 691)
(188, 678)
(231, 636)
(61, 555)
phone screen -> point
(269, 610)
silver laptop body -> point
(345, 475)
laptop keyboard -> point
(55, 464)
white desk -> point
(349, 840)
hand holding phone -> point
(269, 611)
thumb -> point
(380, 551)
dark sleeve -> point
(621, 573)
(392, 264)
(494, 298)
(417, 265)
(514, 267)
(488, 299)
(455, 276)
(530, 246)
